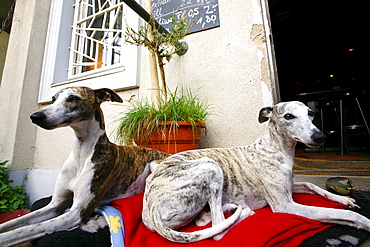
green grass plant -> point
(143, 117)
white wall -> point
(228, 65)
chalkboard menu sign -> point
(202, 14)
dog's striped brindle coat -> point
(251, 177)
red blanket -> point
(262, 229)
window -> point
(91, 53)
(97, 35)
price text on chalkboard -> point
(202, 14)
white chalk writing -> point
(201, 14)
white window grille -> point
(97, 35)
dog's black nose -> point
(37, 117)
(319, 137)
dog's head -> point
(293, 121)
(73, 105)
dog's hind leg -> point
(217, 209)
(246, 212)
(203, 218)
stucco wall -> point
(227, 65)
(19, 85)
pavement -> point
(318, 167)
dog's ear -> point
(106, 94)
(265, 114)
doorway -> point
(320, 45)
(322, 53)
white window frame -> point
(56, 56)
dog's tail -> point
(190, 237)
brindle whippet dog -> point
(96, 170)
(250, 177)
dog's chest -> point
(77, 170)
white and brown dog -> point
(250, 177)
(96, 171)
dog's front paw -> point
(350, 202)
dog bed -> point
(262, 229)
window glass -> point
(97, 35)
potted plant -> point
(173, 126)
(169, 117)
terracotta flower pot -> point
(173, 140)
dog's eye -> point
(289, 116)
(311, 114)
(73, 98)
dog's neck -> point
(88, 132)
(278, 143)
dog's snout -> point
(319, 137)
(37, 117)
